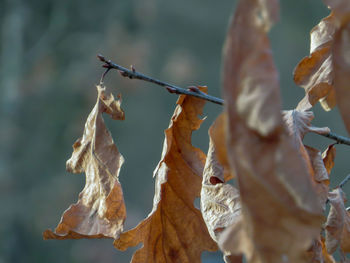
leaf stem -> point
(191, 91)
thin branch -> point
(346, 179)
(338, 138)
(192, 90)
(133, 74)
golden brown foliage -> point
(276, 213)
(174, 231)
(315, 73)
(100, 211)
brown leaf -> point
(299, 124)
(315, 72)
(220, 203)
(320, 177)
(341, 63)
(251, 69)
(327, 258)
(324, 74)
(281, 214)
(100, 211)
(318, 252)
(217, 135)
(174, 231)
(328, 158)
(338, 223)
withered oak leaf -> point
(100, 211)
(174, 231)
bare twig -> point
(346, 179)
(338, 138)
(192, 90)
(133, 74)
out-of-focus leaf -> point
(338, 223)
(341, 64)
(248, 76)
(315, 73)
(281, 213)
(318, 252)
(174, 231)
(327, 258)
(220, 203)
(100, 211)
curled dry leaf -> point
(338, 223)
(299, 124)
(324, 74)
(320, 176)
(174, 231)
(315, 72)
(281, 214)
(100, 211)
(220, 203)
(218, 149)
(328, 157)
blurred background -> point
(48, 73)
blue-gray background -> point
(48, 72)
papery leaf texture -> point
(100, 210)
(220, 204)
(174, 231)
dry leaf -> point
(299, 124)
(338, 223)
(217, 135)
(327, 258)
(320, 176)
(174, 231)
(280, 209)
(220, 203)
(323, 74)
(318, 253)
(251, 21)
(328, 158)
(315, 73)
(341, 64)
(100, 211)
